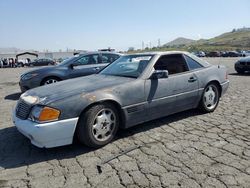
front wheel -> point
(210, 98)
(240, 71)
(50, 80)
(98, 125)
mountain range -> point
(236, 39)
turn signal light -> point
(49, 114)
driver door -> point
(85, 65)
(173, 94)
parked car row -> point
(36, 62)
(11, 62)
(222, 54)
(126, 90)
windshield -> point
(128, 66)
(66, 61)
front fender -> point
(73, 106)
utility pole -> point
(142, 45)
(159, 42)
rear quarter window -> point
(192, 64)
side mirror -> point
(72, 65)
(158, 74)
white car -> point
(22, 62)
(246, 53)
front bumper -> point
(242, 67)
(224, 87)
(29, 84)
(47, 135)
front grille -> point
(245, 63)
(22, 109)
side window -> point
(174, 64)
(114, 57)
(192, 64)
(105, 58)
(88, 59)
(109, 58)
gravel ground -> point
(188, 149)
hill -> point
(179, 42)
(237, 39)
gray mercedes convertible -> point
(134, 89)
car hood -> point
(40, 70)
(67, 88)
(245, 59)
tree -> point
(131, 49)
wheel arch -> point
(217, 83)
(110, 101)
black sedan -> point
(41, 62)
(80, 65)
(230, 54)
(242, 65)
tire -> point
(210, 98)
(49, 80)
(240, 71)
(98, 125)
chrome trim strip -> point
(175, 95)
(55, 122)
(226, 82)
(132, 105)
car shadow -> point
(13, 96)
(157, 123)
(238, 74)
(17, 151)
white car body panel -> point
(47, 135)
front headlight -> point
(29, 99)
(28, 76)
(43, 114)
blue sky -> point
(94, 24)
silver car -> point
(80, 65)
(134, 89)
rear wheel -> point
(98, 125)
(210, 98)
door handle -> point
(192, 79)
